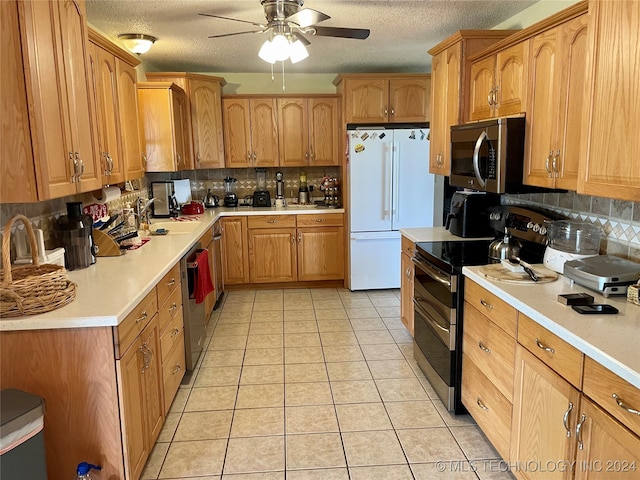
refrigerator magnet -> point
(359, 148)
(422, 134)
(382, 135)
(412, 136)
(364, 136)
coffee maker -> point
(261, 197)
(77, 237)
(230, 197)
(165, 204)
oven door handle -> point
(432, 272)
(476, 158)
(427, 317)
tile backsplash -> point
(619, 219)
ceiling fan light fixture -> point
(280, 47)
(297, 51)
(138, 43)
(266, 52)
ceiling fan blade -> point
(235, 33)
(357, 33)
(232, 19)
(302, 38)
(307, 17)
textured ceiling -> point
(401, 32)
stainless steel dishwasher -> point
(195, 320)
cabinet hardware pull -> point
(565, 419)
(299, 238)
(490, 97)
(486, 304)
(109, 164)
(174, 332)
(293, 239)
(312, 156)
(271, 221)
(144, 160)
(546, 164)
(624, 406)
(254, 157)
(554, 163)
(483, 347)
(393, 111)
(306, 155)
(579, 431)
(249, 157)
(74, 166)
(493, 95)
(176, 369)
(198, 159)
(173, 306)
(482, 405)
(171, 282)
(320, 220)
(544, 347)
(142, 317)
(386, 110)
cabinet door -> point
(235, 252)
(437, 151)
(293, 132)
(17, 176)
(406, 292)
(108, 114)
(324, 144)
(152, 378)
(367, 100)
(609, 157)
(541, 400)
(264, 132)
(129, 122)
(573, 65)
(237, 132)
(206, 123)
(272, 255)
(454, 115)
(542, 110)
(320, 253)
(409, 100)
(511, 79)
(482, 89)
(609, 449)
(133, 407)
(179, 112)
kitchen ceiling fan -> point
(287, 24)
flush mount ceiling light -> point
(137, 42)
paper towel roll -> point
(108, 194)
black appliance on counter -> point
(165, 204)
(438, 296)
(468, 215)
(261, 198)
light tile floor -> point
(306, 384)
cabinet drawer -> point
(551, 349)
(169, 308)
(321, 220)
(497, 310)
(271, 221)
(490, 349)
(489, 408)
(173, 369)
(169, 283)
(601, 384)
(408, 246)
(135, 322)
(171, 335)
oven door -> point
(435, 327)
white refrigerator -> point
(390, 187)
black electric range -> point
(451, 256)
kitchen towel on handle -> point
(201, 276)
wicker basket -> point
(632, 293)
(31, 289)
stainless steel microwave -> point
(488, 156)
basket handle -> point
(6, 246)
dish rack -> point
(632, 293)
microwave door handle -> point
(476, 158)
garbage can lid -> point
(18, 410)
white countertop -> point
(109, 290)
(433, 234)
(611, 340)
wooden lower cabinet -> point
(235, 250)
(545, 413)
(320, 253)
(272, 255)
(406, 291)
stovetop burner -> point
(453, 255)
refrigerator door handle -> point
(395, 186)
(387, 182)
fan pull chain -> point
(272, 76)
(283, 89)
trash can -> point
(22, 453)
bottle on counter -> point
(83, 472)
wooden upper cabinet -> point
(114, 82)
(555, 105)
(58, 85)
(610, 151)
(163, 126)
(17, 174)
(381, 98)
(308, 131)
(450, 87)
(250, 132)
(204, 116)
(499, 83)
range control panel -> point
(523, 223)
